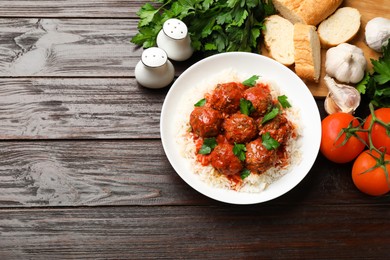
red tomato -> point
(378, 133)
(374, 182)
(332, 148)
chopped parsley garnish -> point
(239, 151)
(270, 115)
(246, 107)
(251, 81)
(268, 142)
(200, 103)
(208, 145)
(245, 173)
(283, 101)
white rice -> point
(254, 182)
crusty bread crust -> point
(279, 39)
(307, 52)
(306, 11)
(340, 27)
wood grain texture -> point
(68, 47)
(66, 108)
(220, 232)
(89, 173)
(70, 8)
(135, 172)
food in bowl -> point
(239, 132)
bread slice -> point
(307, 52)
(278, 39)
(340, 27)
(306, 11)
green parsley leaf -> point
(239, 151)
(383, 95)
(269, 8)
(268, 142)
(146, 37)
(246, 107)
(239, 16)
(283, 101)
(208, 145)
(208, 28)
(251, 81)
(270, 115)
(362, 85)
(376, 85)
(146, 13)
(255, 34)
(207, 3)
(251, 3)
(245, 173)
(210, 47)
(232, 3)
(200, 103)
(383, 69)
(181, 9)
(224, 18)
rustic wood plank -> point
(88, 173)
(68, 47)
(70, 8)
(44, 108)
(260, 232)
(71, 48)
(135, 172)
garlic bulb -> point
(377, 33)
(346, 63)
(341, 98)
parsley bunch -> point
(376, 85)
(214, 26)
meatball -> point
(261, 98)
(226, 97)
(224, 160)
(258, 158)
(279, 128)
(205, 121)
(239, 128)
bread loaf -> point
(278, 39)
(306, 11)
(307, 52)
(340, 27)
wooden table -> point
(83, 173)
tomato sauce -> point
(239, 137)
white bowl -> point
(252, 64)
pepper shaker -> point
(154, 70)
(174, 39)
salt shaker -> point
(174, 39)
(154, 70)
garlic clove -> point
(341, 97)
(330, 105)
(377, 32)
(346, 63)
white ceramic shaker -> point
(154, 70)
(174, 39)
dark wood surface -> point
(83, 174)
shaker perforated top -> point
(154, 57)
(175, 29)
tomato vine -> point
(379, 154)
